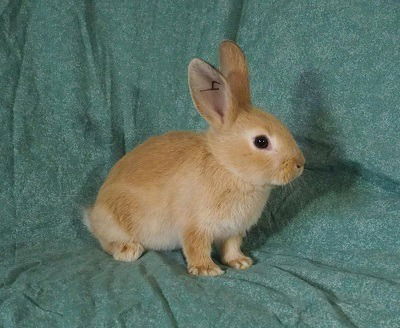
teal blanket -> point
(83, 82)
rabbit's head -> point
(247, 141)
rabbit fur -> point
(192, 190)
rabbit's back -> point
(158, 159)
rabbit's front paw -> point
(205, 270)
(242, 263)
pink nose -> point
(300, 162)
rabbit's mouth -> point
(290, 170)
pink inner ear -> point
(209, 90)
(215, 100)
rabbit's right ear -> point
(234, 67)
(211, 93)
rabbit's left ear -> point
(233, 66)
(211, 93)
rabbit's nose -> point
(300, 161)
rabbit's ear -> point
(234, 67)
(211, 93)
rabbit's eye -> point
(261, 142)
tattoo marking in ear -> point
(212, 86)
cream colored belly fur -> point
(161, 227)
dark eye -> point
(261, 142)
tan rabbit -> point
(189, 190)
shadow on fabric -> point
(325, 172)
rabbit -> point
(192, 190)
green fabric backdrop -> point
(83, 82)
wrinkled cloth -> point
(83, 82)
